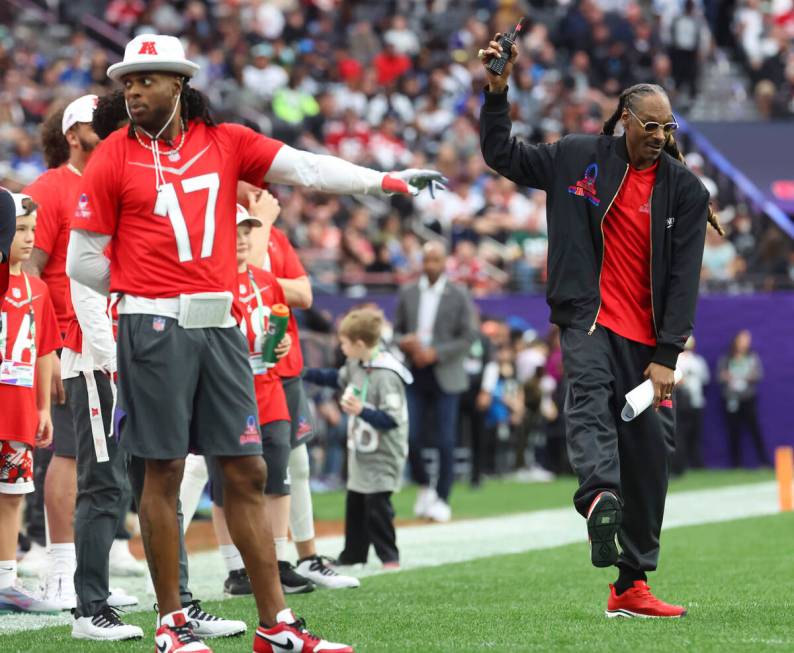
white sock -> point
(301, 515)
(193, 481)
(231, 557)
(282, 548)
(62, 558)
(8, 572)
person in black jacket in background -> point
(627, 225)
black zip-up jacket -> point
(582, 176)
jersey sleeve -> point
(48, 337)
(97, 208)
(293, 268)
(256, 153)
(49, 218)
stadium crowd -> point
(396, 84)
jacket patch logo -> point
(645, 208)
(670, 222)
(586, 187)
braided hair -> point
(626, 101)
(111, 111)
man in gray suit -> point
(435, 325)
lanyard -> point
(368, 370)
(259, 303)
(32, 314)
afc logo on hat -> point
(147, 47)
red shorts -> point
(16, 468)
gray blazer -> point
(454, 331)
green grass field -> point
(730, 575)
(503, 497)
(733, 576)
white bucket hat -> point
(80, 110)
(22, 204)
(244, 216)
(154, 52)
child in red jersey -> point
(29, 337)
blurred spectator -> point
(504, 414)
(688, 35)
(720, 261)
(739, 372)
(435, 325)
(690, 403)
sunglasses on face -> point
(650, 127)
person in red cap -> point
(162, 191)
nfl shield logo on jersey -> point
(158, 324)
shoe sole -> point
(628, 614)
(85, 637)
(301, 589)
(603, 523)
(228, 593)
(231, 633)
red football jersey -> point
(285, 264)
(182, 239)
(270, 396)
(56, 192)
(19, 417)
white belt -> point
(95, 415)
(194, 311)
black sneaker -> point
(237, 583)
(291, 581)
(603, 523)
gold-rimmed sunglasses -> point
(650, 127)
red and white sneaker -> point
(176, 636)
(290, 634)
(638, 601)
(603, 523)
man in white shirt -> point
(435, 326)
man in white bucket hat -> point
(162, 192)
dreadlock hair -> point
(626, 101)
(53, 141)
(111, 111)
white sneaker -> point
(425, 498)
(104, 625)
(18, 598)
(122, 562)
(34, 562)
(120, 599)
(58, 589)
(315, 569)
(439, 511)
(208, 625)
(534, 474)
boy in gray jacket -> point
(377, 435)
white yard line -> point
(459, 541)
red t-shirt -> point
(184, 238)
(626, 274)
(285, 264)
(56, 192)
(19, 417)
(270, 398)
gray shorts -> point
(275, 451)
(64, 437)
(302, 426)
(184, 390)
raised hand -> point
(497, 83)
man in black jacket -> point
(626, 225)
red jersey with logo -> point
(56, 192)
(19, 417)
(285, 264)
(626, 307)
(270, 396)
(182, 239)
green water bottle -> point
(277, 327)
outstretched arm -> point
(331, 174)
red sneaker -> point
(290, 634)
(639, 602)
(176, 636)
